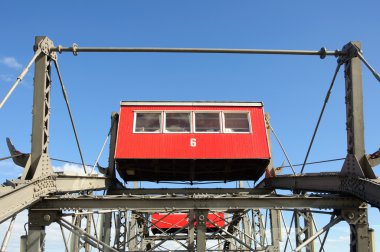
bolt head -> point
(47, 217)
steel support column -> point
(36, 231)
(354, 110)
(258, 229)
(355, 142)
(121, 230)
(201, 217)
(191, 230)
(304, 230)
(360, 233)
(106, 219)
(111, 159)
(39, 162)
(75, 245)
(275, 224)
(105, 229)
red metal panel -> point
(177, 145)
(179, 220)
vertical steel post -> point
(297, 227)
(132, 232)
(191, 230)
(201, 217)
(106, 219)
(372, 240)
(36, 233)
(88, 218)
(35, 240)
(111, 159)
(275, 225)
(41, 110)
(23, 243)
(355, 140)
(40, 136)
(274, 215)
(105, 232)
(304, 230)
(354, 110)
(121, 230)
(247, 230)
(75, 239)
(309, 230)
(360, 235)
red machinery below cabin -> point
(191, 141)
(171, 223)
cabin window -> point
(177, 122)
(236, 122)
(148, 122)
(207, 122)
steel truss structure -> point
(253, 217)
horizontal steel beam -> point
(65, 183)
(19, 195)
(367, 190)
(188, 191)
(75, 49)
(198, 202)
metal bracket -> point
(43, 218)
(351, 167)
(349, 51)
(46, 45)
(374, 158)
(355, 216)
(44, 167)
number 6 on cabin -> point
(193, 142)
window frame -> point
(146, 112)
(211, 112)
(222, 121)
(237, 112)
(177, 111)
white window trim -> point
(192, 121)
(237, 112)
(150, 112)
(208, 111)
(177, 132)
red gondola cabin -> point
(191, 141)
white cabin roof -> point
(192, 103)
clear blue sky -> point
(291, 87)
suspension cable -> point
(370, 68)
(317, 162)
(71, 116)
(67, 161)
(320, 116)
(9, 157)
(282, 148)
(101, 150)
(20, 77)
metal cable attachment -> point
(370, 68)
(323, 53)
(283, 149)
(70, 114)
(321, 114)
(74, 48)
